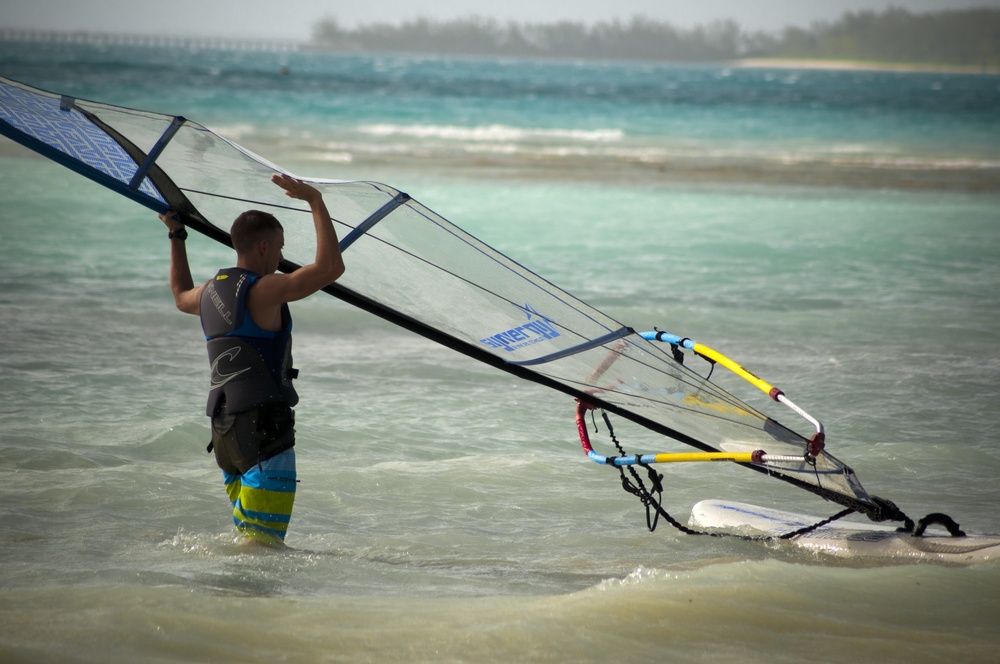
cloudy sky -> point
(294, 19)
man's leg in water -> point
(262, 498)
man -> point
(244, 313)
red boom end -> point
(816, 443)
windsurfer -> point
(244, 313)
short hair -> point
(251, 227)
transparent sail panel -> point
(414, 266)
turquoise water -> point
(836, 232)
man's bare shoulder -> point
(266, 299)
(278, 288)
(189, 301)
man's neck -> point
(249, 266)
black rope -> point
(636, 487)
(633, 483)
(655, 510)
(887, 511)
(809, 529)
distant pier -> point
(160, 41)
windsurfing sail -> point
(411, 266)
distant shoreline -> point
(859, 65)
(276, 45)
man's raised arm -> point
(186, 296)
(328, 265)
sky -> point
(295, 19)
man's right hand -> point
(296, 188)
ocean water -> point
(838, 233)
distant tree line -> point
(969, 38)
(963, 38)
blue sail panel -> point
(66, 131)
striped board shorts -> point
(262, 498)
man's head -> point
(258, 238)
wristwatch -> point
(180, 234)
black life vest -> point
(251, 366)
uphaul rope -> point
(652, 498)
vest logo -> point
(218, 378)
(538, 329)
(220, 306)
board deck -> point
(846, 539)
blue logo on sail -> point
(537, 329)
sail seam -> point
(579, 348)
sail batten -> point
(140, 173)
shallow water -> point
(447, 513)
